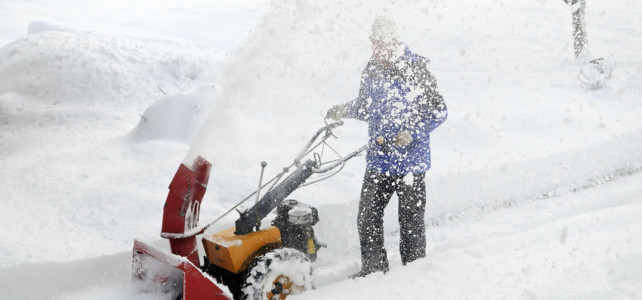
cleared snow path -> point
(536, 250)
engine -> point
(295, 220)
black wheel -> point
(276, 275)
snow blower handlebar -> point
(308, 147)
(251, 218)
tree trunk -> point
(579, 33)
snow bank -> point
(175, 117)
(473, 192)
(66, 99)
(75, 68)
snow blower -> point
(253, 262)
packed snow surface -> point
(535, 190)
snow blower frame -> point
(239, 257)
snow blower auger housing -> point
(253, 262)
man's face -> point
(382, 50)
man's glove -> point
(403, 138)
(336, 112)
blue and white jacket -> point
(394, 98)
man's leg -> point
(375, 194)
(412, 206)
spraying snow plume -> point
(304, 57)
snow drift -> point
(175, 117)
(66, 98)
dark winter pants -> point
(375, 194)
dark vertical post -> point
(579, 33)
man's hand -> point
(336, 112)
(403, 138)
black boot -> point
(366, 272)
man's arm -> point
(355, 109)
(358, 108)
(432, 105)
(435, 109)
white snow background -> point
(535, 190)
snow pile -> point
(79, 69)
(65, 99)
(72, 81)
(176, 117)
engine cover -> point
(295, 220)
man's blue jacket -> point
(400, 96)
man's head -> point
(384, 30)
(384, 38)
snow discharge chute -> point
(179, 273)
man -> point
(398, 98)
